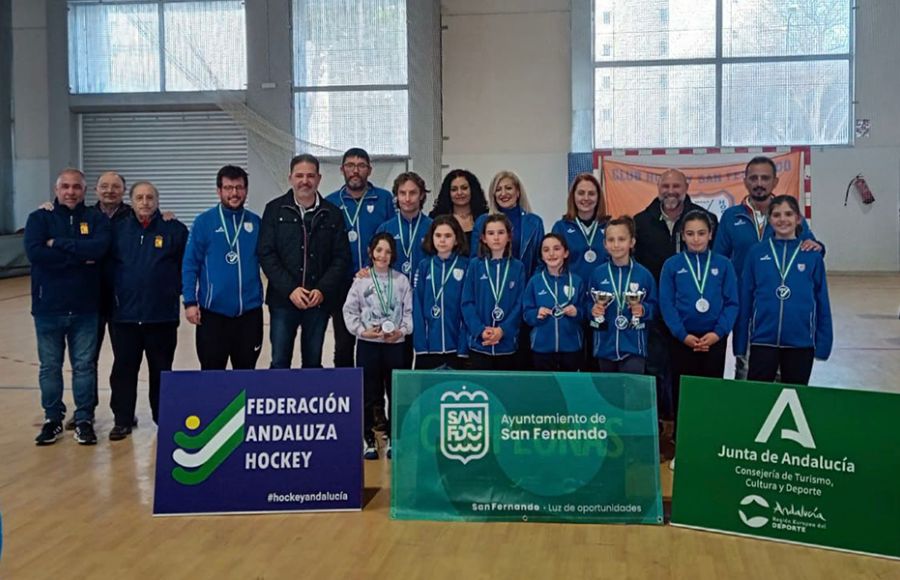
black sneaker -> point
(84, 433)
(49, 433)
(70, 424)
(119, 432)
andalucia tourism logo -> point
(199, 454)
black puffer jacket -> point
(655, 244)
(312, 252)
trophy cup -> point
(602, 298)
(634, 296)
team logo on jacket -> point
(84, 228)
(458, 274)
(714, 271)
(370, 208)
(569, 291)
(465, 425)
(248, 227)
(512, 284)
(158, 242)
(801, 267)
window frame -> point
(719, 61)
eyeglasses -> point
(233, 188)
(356, 166)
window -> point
(771, 73)
(350, 76)
(127, 46)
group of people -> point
(476, 284)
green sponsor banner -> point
(810, 465)
(548, 447)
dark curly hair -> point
(443, 205)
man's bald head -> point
(672, 189)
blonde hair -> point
(523, 197)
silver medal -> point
(352, 235)
(621, 322)
(783, 292)
(590, 256)
(435, 311)
(702, 305)
(231, 257)
(497, 314)
(406, 267)
(557, 312)
(387, 327)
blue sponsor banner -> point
(259, 441)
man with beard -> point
(364, 207)
(222, 288)
(747, 223)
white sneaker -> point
(369, 450)
(672, 465)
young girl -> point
(438, 334)
(620, 343)
(785, 314)
(378, 311)
(583, 227)
(698, 299)
(553, 306)
(491, 299)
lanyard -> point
(438, 293)
(232, 242)
(412, 235)
(619, 290)
(588, 233)
(384, 300)
(497, 290)
(699, 282)
(554, 294)
(355, 218)
(783, 271)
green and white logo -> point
(465, 425)
(788, 400)
(211, 446)
(754, 521)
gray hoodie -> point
(362, 309)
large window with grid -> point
(350, 76)
(701, 73)
(129, 46)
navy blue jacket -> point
(444, 333)
(529, 240)
(803, 320)
(578, 246)
(147, 269)
(478, 303)
(377, 207)
(552, 334)
(65, 278)
(678, 295)
(417, 254)
(610, 343)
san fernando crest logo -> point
(201, 453)
(465, 425)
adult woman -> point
(462, 197)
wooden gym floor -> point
(85, 512)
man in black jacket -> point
(658, 230)
(304, 252)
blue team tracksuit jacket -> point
(578, 246)
(552, 334)
(529, 239)
(397, 224)
(610, 343)
(678, 295)
(377, 208)
(478, 303)
(803, 320)
(208, 280)
(445, 333)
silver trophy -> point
(602, 298)
(634, 296)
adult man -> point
(658, 230)
(747, 223)
(222, 288)
(64, 246)
(304, 253)
(146, 255)
(364, 208)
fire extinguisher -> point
(862, 188)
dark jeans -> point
(283, 324)
(220, 338)
(433, 361)
(131, 341)
(104, 321)
(631, 364)
(486, 362)
(795, 363)
(686, 362)
(377, 360)
(557, 361)
(79, 331)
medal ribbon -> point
(619, 290)
(355, 218)
(232, 242)
(385, 304)
(584, 231)
(438, 293)
(700, 283)
(412, 236)
(502, 285)
(783, 271)
(554, 294)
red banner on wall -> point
(630, 187)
